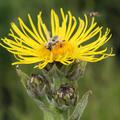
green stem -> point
(54, 114)
(48, 115)
(50, 112)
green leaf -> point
(80, 107)
(24, 77)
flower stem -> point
(53, 115)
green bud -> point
(65, 95)
(75, 71)
(36, 85)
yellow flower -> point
(69, 40)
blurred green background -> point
(103, 78)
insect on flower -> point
(94, 13)
(68, 40)
(52, 42)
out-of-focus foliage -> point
(102, 78)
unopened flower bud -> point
(76, 70)
(36, 85)
(65, 95)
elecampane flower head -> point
(69, 40)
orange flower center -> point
(54, 50)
